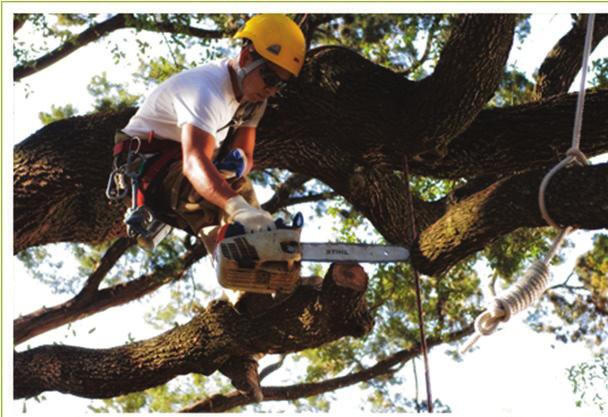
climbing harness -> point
(143, 161)
(423, 344)
(535, 281)
(137, 162)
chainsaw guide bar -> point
(352, 252)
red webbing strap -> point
(154, 169)
(169, 151)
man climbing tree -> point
(478, 137)
(196, 108)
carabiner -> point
(114, 190)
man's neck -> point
(232, 66)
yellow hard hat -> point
(277, 39)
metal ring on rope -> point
(572, 155)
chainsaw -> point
(270, 261)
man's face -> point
(263, 82)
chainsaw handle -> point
(236, 228)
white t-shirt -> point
(201, 96)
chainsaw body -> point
(263, 262)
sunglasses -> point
(271, 78)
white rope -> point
(531, 287)
(574, 153)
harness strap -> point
(168, 151)
(147, 146)
(151, 171)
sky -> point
(513, 372)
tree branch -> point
(179, 29)
(93, 33)
(91, 301)
(427, 47)
(273, 367)
(107, 262)
(467, 74)
(284, 191)
(223, 402)
(563, 62)
(499, 142)
(307, 319)
(576, 196)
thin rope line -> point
(303, 19)
(574, 153)
(423, 345)
(578, 119)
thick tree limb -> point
(563, 62)
(60, 175)
(392, 106)
(91, 301)
(224, 402)
(97, 31)
(577, 196)
(469, 70)
(307, 319)
(505, 141)
(365, 180)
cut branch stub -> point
(309, 318)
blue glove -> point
(233, 165)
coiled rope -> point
(533, 284)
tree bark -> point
(576, 196)
(309, 318)
(59, 181)
(467, 75)
(563, 62)
(505, 141)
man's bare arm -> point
(198, 147)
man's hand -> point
(253, 219)
(233, 165)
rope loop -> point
(519, 297)
(487, 323)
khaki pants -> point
(175, 202)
